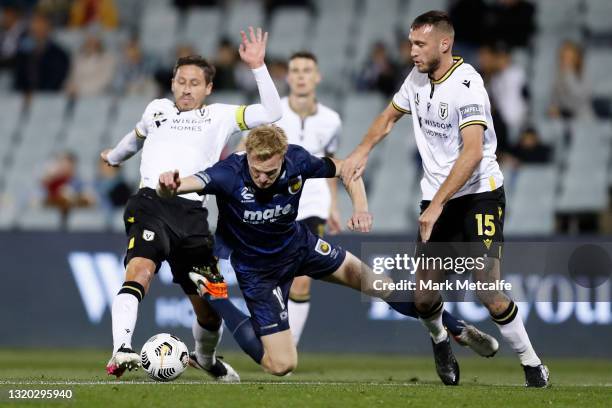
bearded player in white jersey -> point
(462, 185)
(186, 135)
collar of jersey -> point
(457, 62)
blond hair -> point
(266, 141)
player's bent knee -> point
(300, 288)
(280, 366)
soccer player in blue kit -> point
(258, 195)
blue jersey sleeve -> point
(315, 167)
(216, 179)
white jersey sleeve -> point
(332, 144)
(471, 104)
(401, 99)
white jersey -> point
(440, 109)
(319, 135)
(188, 141)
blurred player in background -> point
(315, 127)
(463, 193)
(258, 195)
(187, 135)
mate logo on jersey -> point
(269, 214)
(295, 184)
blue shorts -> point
(266, 287)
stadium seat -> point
(597, 69)
(557, 16)
(288, 31)
(91, 111)
(87, 219)
(584, 191)
(47, 108)
(597, 16)
(39, 218)
(523, 215)
(159, 29)
(201, 30)
(330, 43)
(376, 24)
(242, 15)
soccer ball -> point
(164, 357)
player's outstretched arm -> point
(126, 148)
(361, 220)
(171, 184)
(253, 51)
(355, 163)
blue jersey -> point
(259, 224)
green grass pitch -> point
(320, 381)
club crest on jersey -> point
(148, 235)
(295, 184)
(322, 247)
(443, 110)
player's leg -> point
(194, 248)
(299, 306)
(484, 229)
(335, 265)
(266, 301)
(299, 295)
(148, 245)
(280, 354)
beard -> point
(431, 67)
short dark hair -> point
(304, 54)
(199, 61)
(436, 18)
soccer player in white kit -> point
(462, 185)
(187, 136)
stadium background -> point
(61, 270)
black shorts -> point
(315, 225)
(174, 230)
(474, 219)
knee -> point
(140, 270)
(300, 288)
(280, 366)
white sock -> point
(124, 315)
(436, 329)
(298, 313)
(515, 334)
(206, 342)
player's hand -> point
(104, 157)
(253, 49)
(169, 183)
(354, 165)
(428, 219)
(334, 222)
(360, 221)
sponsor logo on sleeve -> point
(471, 110)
